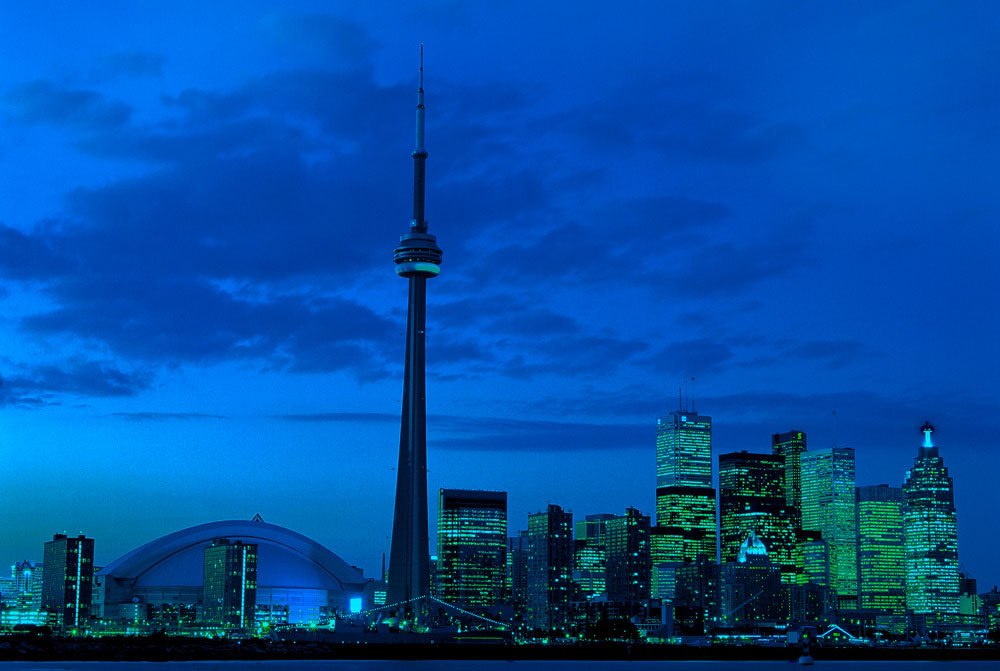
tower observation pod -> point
(417, 258)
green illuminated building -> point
(590, 555)
(930, 527)
(686, 519)
(229, 595)
(881, 567)
(790, 446)
(752, 500)
(628, 552)
(684, 450)
(550, 569)
(471, 547)
(829, 507)
(685, 497)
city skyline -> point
(790, 206)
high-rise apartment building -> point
(68, 580)
(881, 569)
(550, 569)
(685, 497)
(752, 500)
(628, 552)
(930, 527)
(829, 507)
(229, 587)
(471, 544)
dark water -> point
(459, 665)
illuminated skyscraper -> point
(752, 499)
(685, 498)
(684, 450)
(750, 587)
(68, 580)
(230, 584)
(550, 567)
(590, 555)
(930, 527)
(417, 258)
(472, 537)
(790, 446)
(881, 569)
(829, 506)
(628, 579)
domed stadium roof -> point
(285, 559)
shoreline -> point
(164, 648)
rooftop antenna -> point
(680, 399)
(693, 408)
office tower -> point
(752, 499)
(628, 577)
(229, 587)
(686, 517)
(68, 580)
(828, 506)
(881, 569)
(684, 450)
(930, 527)
(417, 258)
(472, 539)
(685, 498)
(790, 446)
(590, 555)
(550, 566)
(517, 570)
(751, 588)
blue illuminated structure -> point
(417, 259)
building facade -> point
(829, 507)
(752, 499)
(628, 553)
(550, 569)
(685, 497)
(68, 580)
(471, 547)
(930, 527)
(230, 584)
(881, 551)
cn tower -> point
(417, 259)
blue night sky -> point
(793, 203)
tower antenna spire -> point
(418, 224)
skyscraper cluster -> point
(787, 538)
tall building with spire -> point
(417, 259)
(930, 529)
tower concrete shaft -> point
(417, 258)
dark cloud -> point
(690, 118)
(31, 256)
(163, 416)
(129, 64)
(691, 357)
(347, 417)
(452, 432)
(43, 102)
(43, 384)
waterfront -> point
(494, 665)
